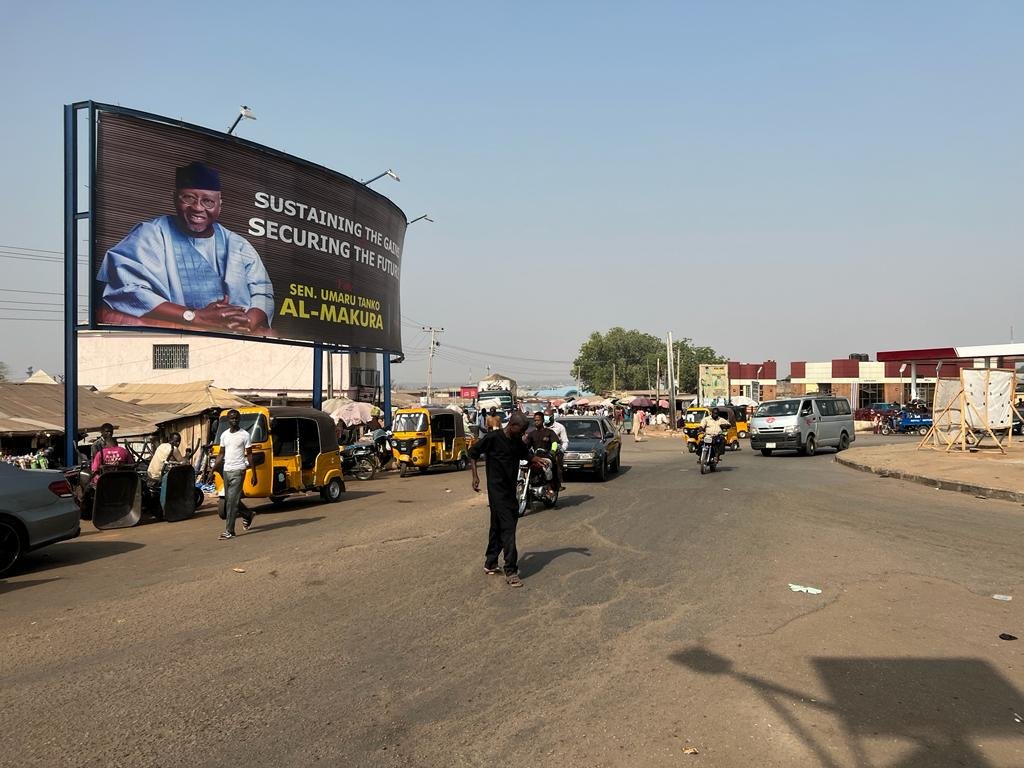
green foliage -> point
(621, 359)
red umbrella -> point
(641, 402)
(663, 403)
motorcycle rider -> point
(563, 445)
(713, 426)
(540, 437)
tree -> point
(621, 359)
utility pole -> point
(430, 357)
(671, 385)
(613, 378)
(657, 383)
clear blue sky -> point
(849, 174)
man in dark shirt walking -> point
(504, 449)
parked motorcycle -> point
(359, 460)
(533, 483)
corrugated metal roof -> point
(26, 409)
(186, 399)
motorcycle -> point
(360, 460)
(532, 483)
(710, 453)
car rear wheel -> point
(12, 546)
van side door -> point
(827, 432)
(807, 420)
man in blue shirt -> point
(187, 270)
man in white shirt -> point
(235, 459)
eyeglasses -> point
(208, 203)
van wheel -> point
(844, 442)
(332, 491)
(810, 446)
(766, 451)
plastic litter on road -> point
(1007, 636)
(691, 751)
(808, 590)
(1004, 598)
(238, 570)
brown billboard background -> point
(135, 166)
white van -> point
(804, 424)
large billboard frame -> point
(73, 156)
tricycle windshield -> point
(410, 422)
(253, 423)
(778, 408)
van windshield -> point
(410, 422)
(778, 408)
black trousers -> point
(502, 536)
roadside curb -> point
(935, 482)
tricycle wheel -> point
(332, 491)
(200, 497)
(222, 511)
(742, 434)
(423, 470)
(691, 447)
(922, 431)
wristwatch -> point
(188, 315)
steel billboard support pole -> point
(386, 386)
(318, 375)
(70, 286)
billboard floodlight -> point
(388, 172)
(243, 111)
(424, 217)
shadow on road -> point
(7, 586)
(943, 706)
(68, 553)
(259, 527)
(566, 502)
(534, 562)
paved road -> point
(656, 616)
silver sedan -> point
(36, 509)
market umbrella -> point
(663, 403)
(743, 400)
(353, 413)
(641, 402)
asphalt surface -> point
(656, 617)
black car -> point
(594, 445)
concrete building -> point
(258, 371)
(758, 381)
(899, 375)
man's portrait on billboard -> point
(187, 270)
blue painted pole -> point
(386, 385)
(318, 375)
(70, 286)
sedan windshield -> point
(583, 429)
(778, 408)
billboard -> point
(713, 382)
(198, 231)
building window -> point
(870, 393)
(166, 356)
